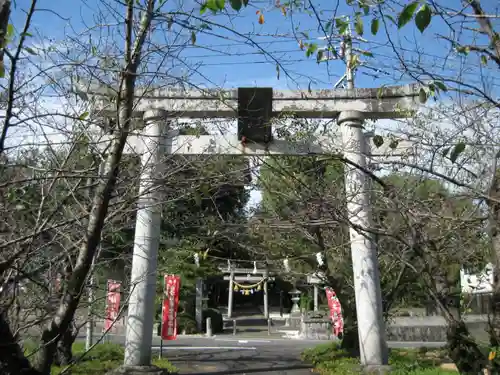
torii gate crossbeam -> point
(349, 107)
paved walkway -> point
(226, 356)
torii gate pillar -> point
(141, 306)
(368, 294)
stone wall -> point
(316, 329)
(407, 329)
(416, 333)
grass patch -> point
(101, 359)
(330, 359)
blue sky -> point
(229, 60)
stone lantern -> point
(295, 293)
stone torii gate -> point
(254, 108)
(235, 274)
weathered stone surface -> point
(295, 320)
(98, 89)
(386, 102)
(230, 145)
(316, 329)
(377, 369)
(138, 370)
(430, 333)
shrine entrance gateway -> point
(237, 275)
(254, 108)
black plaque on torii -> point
(255, 107)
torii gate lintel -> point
(387, 102)
(255, 126)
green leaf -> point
(390, 18)
(319, 56)
(26, 34)
(423, 17)
(203, 8)
(311, 49)
(220, 4)
(432, 90)
(2, 69)
(394, 144)
(378, 141)
(440, 85)
(484, 60)
(407, 14)
(245, 3)
(446, 151)
(10, 31)
(354, 61)
(366, 53)
(375, 25)
(236, 4)
(380, 91)
(328, 25)
(358, 25)
(457, 150)
(30, 50)
(83, 116)
(212, 5)
(422, 95)
(193, 38)
(366, 10)
(463, 49)
(341, 25)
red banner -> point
(112, 303)
(169, 310)
(335, 312)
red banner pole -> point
(170, 305)
(112, 304)
(335, 312)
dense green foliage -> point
(300, 210)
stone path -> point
(228, 356)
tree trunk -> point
(463, 350)
(12, 359)
(64, 351)
(350, 337)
